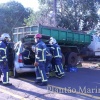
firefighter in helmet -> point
(40, 61)
(48, 61)
(3, 59)
(10, 56)
(57, 58)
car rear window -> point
(31, 39)
(27, 39)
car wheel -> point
(15, 73)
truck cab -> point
(94, 46)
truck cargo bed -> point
(66, 36)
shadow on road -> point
(78, 84)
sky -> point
(29, 3)
(26, 3)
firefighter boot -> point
(38, 81)
(7, 84)
(43, 84)
(0, 80)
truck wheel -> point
(63, 59)
(15, 73)
(71, 59)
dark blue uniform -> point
(3, 62)
(57, 59)
(27, 59)
(48, 60)
(10, 55)
(40, 55)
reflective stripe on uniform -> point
(26, 58)
(28, 55)
(42, 59)
(58, 51)
(38, 78)
(62, 66)
(6, 78)
(56, 68)
(39, 49)
(3, 49)
(3, 57)
(52, 47)
(48, 55)
(4, 53)
(59, 69)
(36, 57)
(43, 54)
(58, 56)
(43, 80)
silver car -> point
(21, 65)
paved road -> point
(81, 85)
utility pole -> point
(55, 12)
(61, 5)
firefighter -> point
(40, 55)
(10, 56)
(3, 59)
(0, 75)
(26, 54)
(57, 58)
(0, 68)
(48, 61)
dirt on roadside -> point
(90, 64)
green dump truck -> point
(71, 42)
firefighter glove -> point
(36, 64)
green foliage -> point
(69, 14)
(41, 16)
(12, 15)
(76, 11)
(33, 18)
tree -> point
(77, 11)
(70, 14)
(33, 19)
(41, 16)
(12, 15)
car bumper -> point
(23, 69)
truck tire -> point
(71, 58)
(15, 73)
